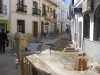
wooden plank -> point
(40, 65)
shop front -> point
(4, 24)
(53, 27)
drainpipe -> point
(82, 38)
(40, 17)
(10, 15)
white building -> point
(25, 16)
(86, 27)
(4, 15)
(62, 15)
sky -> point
(68, 2)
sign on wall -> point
(77, 10)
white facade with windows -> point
(62, 15)
(86, 29)
(24, 15)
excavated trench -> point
(60, 61)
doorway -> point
(35, 29)
(3, 26)
(42, 28)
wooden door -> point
(42, 29)
(35, 29)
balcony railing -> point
(3, 9)
(55, 16)
(36, 11)
(44, 13)
(21, 8)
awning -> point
(3, 21)
(7, 22)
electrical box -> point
(87, 6)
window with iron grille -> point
(1, 7)
(54, 13)
(35, 7)
(48, 8)
(86, 27)
(21, 7)
(97, 24)
(21, 26)
(44, 9)
(35, 4)
(21, 2)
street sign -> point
(77, 10)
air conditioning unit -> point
(87, 6)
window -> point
(97, 24)
(44, 9)
(35, 5)
(21, 26)
(72, 1)
(21, 7)
(21, 2)
(86, 27)
(48, 8)
(1, 7)
(54, 13)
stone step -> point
(70, 48)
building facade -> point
(33, 16)
(4, 15)
(62, 19)
(86, 28)
(49, 16)
(25, 16)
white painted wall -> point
(28, 22)
(28, 17)
(92, 48)
(62, 15)
(77, 30)
(72, 30)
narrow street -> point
(7, 64)
(67, 61)
(50, 37)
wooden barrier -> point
(30, 69)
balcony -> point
(55, 16)
(21, 8)
(44, 13)
(3, 10)
(36, 11)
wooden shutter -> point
(1, 6)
